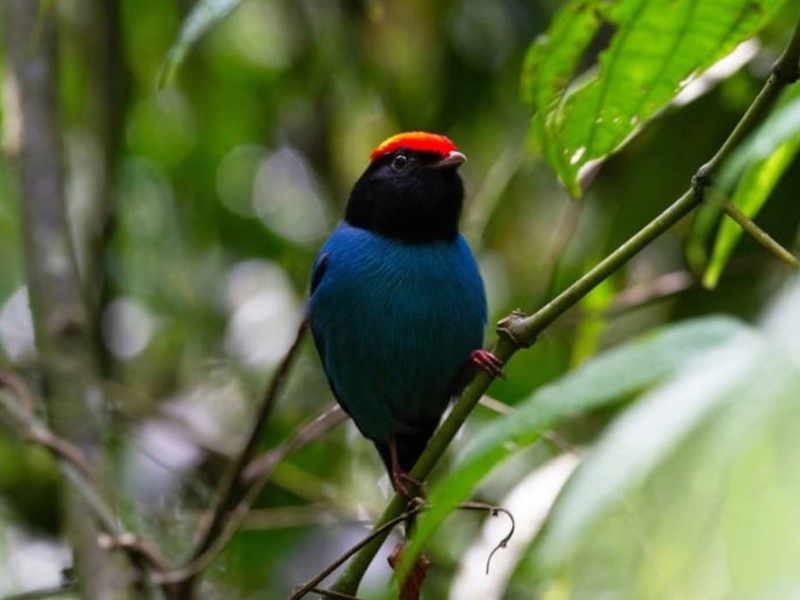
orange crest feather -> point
(417, 141)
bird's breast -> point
(395, 323)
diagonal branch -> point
(236, 492)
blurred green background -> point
(223, 185)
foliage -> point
(234, 131)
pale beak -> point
(453, 159)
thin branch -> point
(759, 235)
(380, 532)
(520, 331)
(17, 409)
(75, 469)
(327, 421)
(180, 579)
(237, 493)
(493, 511)
(137, 546)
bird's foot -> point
(483, 359)
(410, 488)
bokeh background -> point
(211, 197)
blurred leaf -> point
(692, 492)
(603, 381)
(642, 437)
(657, 47)
(204, 15)
(763, 160)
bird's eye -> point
(400, 162)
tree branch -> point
(65, 344)
(518, 330)
(236, 492)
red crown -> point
(417, 141)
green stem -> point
(520, 331)
(525, 330)
(759, 235)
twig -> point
(385, 528)
(180, 579)
(759, 235)
(18, 407)
(234, 488)
(556, 249)
(520, 331)
(493, 511)
(328, 420)
(489, 193)
(76, 471)
(19, 388)
(133, 544)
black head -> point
(409, 193)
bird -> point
(397, 306)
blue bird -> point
(397, 307)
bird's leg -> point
(400, 478)
(483, 359)
(411, 588)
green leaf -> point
(602, 381)
(657, 47)
(641, 438)
(763, 160)
(692, 492)
(549, 65)
(203, 16)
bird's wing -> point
(318, 272)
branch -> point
(66, 346)
(236, 493)
(377, 533)
(17, 409)
(759, 235)
(493, 511)
(518, 330)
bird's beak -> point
(453, 159)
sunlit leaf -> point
(656, 48)
(763, 161)
(606, 379)
(204, 15)
(548, 68)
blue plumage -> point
(395, 322)
(397, 305)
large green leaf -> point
(642, 437)
(762, 160)
(657, 46)
(606, 379)
(692, 492)
(203, 16)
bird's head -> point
(411, 189)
